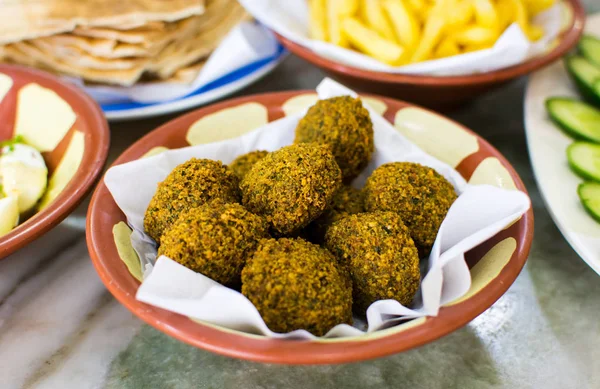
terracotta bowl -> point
(80, 168)
(438, 91)
(495, 264)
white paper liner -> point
(245, 44)
(478, 214)
(290, 19)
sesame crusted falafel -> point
(344, 124)
(295, 284)
(189, 185)
(242, 164)
(418, 193)
(214, 239)
(292, 186)
(380, 255)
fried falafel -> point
(189, 185)
(344, 124)
(419, 194)
(292, 186)
(295, 284)
(380, 255)
(346, 201)
(214, 239)
(242, 164)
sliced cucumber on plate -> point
(589, 46)
(584, 159)
(589, 194)
(579, 119)
(587, 77)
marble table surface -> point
(60, 328)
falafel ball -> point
(418, 193)
(344, 124)
(346, 201)
(189, 185)
(292, 186)
(214, 239)
(380, 254)
(295, 284)
(242, 164)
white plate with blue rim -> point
(248, 53)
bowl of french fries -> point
(438, 53)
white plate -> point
(229, 84)
(547, 150)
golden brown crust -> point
(189, 185)
(295, 284)
(242, 164)
(346, 201)
(380, 255)
(292, 186)
(345, 125)
(418, 193)
(214, 239)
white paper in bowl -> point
(478, 214)
(290, 19)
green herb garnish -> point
(10, 143)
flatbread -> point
(26, 19)
(27, 54)
(79, 58)
(171, 51)
(90, 45)
(220, 17)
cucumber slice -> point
(585, 74)
(584, 159)
(590, 48)
(589, 194)
(578, 119)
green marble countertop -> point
(543, 333)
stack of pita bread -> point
(117, 42)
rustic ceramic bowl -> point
(80, 168)
(494, 264)
(437, 91)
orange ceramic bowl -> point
(89, 131)
(495, 263)
(442, 92)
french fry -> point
(334, 22)
(534, 7)
(374, 16)
(476, 35)
(432, 32)
(417, 6)
(535, 33)
(348, 8)
(369, 42)
(506, 13)
(426, 12)
(404, 22)
(522, 18)
(485, 14)
(447, 48)
(460, 14)
(318, 19)
(471, 48)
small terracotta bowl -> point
(441, 92)
(80, 168)
(494, 264)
